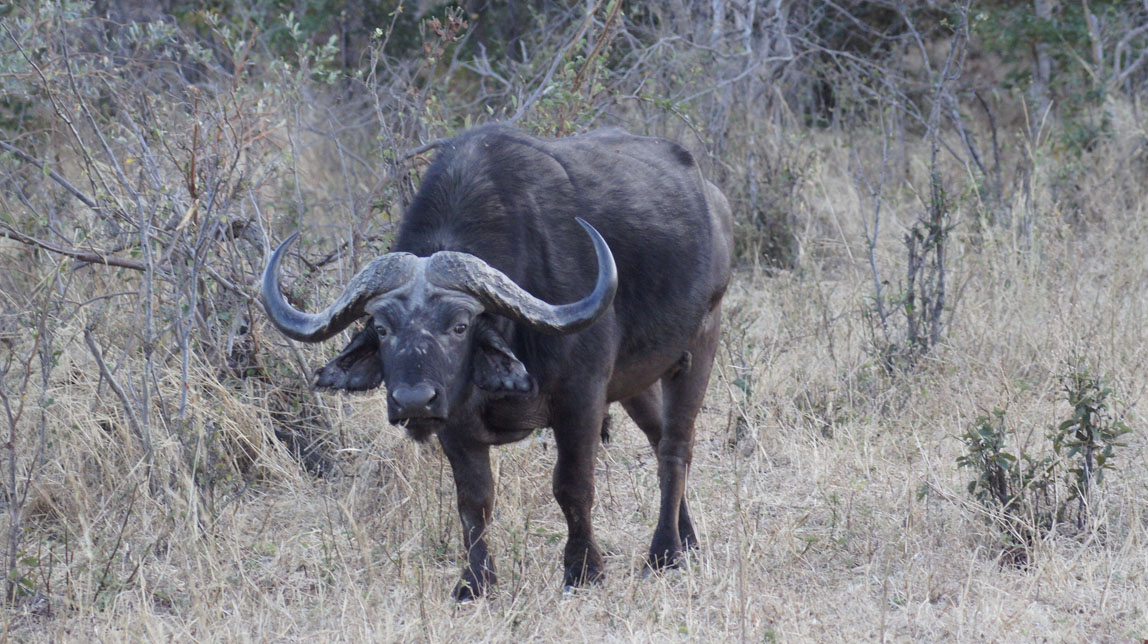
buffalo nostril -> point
(416, 398)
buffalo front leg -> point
(474, 484)
(577, 431)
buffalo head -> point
(427, 337)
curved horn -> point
(501, 295)
(381, 275)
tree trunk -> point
(1041, 71)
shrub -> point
(1029, 490)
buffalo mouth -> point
(420, 429)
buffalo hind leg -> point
(474, 484)
(648, 413)
(682, 392)
(577, 432)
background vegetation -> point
(927, 419)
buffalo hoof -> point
(584, 565)
(689, 539)
(663, 560)
(665, 552)
(464, 594)
(470, 588)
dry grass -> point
(806, 485)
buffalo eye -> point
(381, 330)
(460, 328)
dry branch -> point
(24, 156)
(106, 373)
(94, 257)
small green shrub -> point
(1015, 488)
(1030, 489)
(1088, 440)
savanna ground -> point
(941, 230)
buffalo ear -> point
(357, 368)
(496, 369)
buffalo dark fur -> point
(510, 314)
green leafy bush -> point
(1088, 440)
(1028, 490)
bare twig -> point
(116, 548)
(63, 115)
(17, 495)
(76, 192)
(93, 257)
(559, 57)
(14, 506)
(106, 374)
(876, 194)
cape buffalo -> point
(533, 282)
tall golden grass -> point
(825, 490)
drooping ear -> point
(357, 368)
(496, 368)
